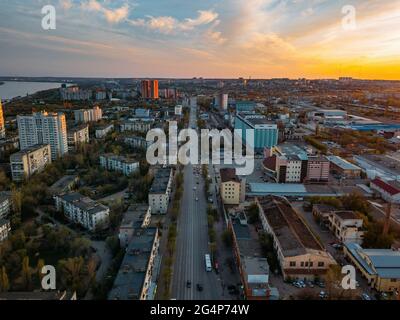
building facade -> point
(78, 136)
(5, 204)
(29, 161)
(149, 89)
(88, 115)
(389, 191)
(346, 226)
(5, 229)
(83, 211)
(2, 123)
(160, 191)
(103, 131)
(232, 188)
(381, 267)
(300, 254)
(265, 133)
(44, 128)
(138, 125)
(121, 164)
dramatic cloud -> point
(168, 24)
(111, 15)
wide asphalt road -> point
(192, 240)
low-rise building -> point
(102, 131)
(5, 229)
(381, 267)
(346, 226)
(344, 168)
(160, 191)
(121, 164)
(65, 184)
(77, 136)
(138, 125)
(83, 210)
(286, 163)
(389, 191)
(136, 277)
(29, 161)
(5, 204)
(321, 213)
(137, 217)
(137, 142)
(318, 169)
(300, 254)
(253, 268)
(232, 189)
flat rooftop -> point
(382, 262)
(134, 216)
(84, 203)
(63, 184)
(342, 163)
(161, 180)
(30, 149)
(130, 278)
(294, 236)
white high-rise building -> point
(88, 115)
(44, 128)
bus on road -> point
(208, 263)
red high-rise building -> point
(149, 89)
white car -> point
(197, 199)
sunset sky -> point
(202, 38)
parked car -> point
(323, 295)
(199, 287)
(188, 284)
(365, 296)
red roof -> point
(385, 186)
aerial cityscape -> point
(223, 150)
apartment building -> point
(102, 131)
(160, 191)
(137, 142)
(137, 125)
(88, 115)
(2, 124)
(5, 204)
(44, 128)
(300, 254)
(5, 229)
(77, 136)
(74, 93)
(138, 216)
(232, 189)
(381, 267)
(346, 226)
(121, 164)
(83, 210)
(137, 276)
(29, 161)
(149, 89)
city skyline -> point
(210, 39)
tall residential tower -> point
(2, 126)
(44, 128)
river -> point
(13, 89)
